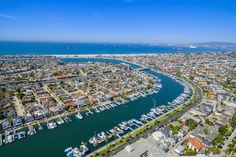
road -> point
(227, 142)
(20, 110)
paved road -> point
(227, 142)
(19, 107)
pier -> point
(40, 127)
(0, 139)
(130, 128)
(89, 111)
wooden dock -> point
(0, 139)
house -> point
(80, 103)
(38, 114)
(185, 128)
(180, 149)
(174, 139)
(195, 142)
(176, 123)
(166, 131)
(212, 133)
(29, 118)
(6, 124)
(17, 121)
(166, 145)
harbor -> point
(94, 126)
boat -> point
(79, 116)
(97, 110)
(67, 119)
(51, 125)
(76, 152)
(31, 131)
(60, 121)
(21, 135)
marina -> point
(127, 114)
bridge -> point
(142, 68)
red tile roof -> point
(196, 143)
(62, 76)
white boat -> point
(60, 121)
(51, 125)
(79, 116)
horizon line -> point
(116, 42)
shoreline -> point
(109, 54)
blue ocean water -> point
(43, 48)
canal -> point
(48, 143)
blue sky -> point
(133, 21)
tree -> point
(191, 124)
(208, 121)
(190, 152)
(234, 120)
(191, 77)
(223, 130)
(174, 129)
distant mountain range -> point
(220, 45)
(216, 44)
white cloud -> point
(8, 16)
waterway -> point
(48, 143)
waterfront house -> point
(80, 103)
(29, 117)
(38, 114)
(6, 124)
(17, 121)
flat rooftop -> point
(140, 147)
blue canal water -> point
(48, 143)
(42, 48)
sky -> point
(131, 21)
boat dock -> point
(40, 127)
(89, 111)
(0, 139)
(130, 128)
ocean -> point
(46, 48)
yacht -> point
(79, 116)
